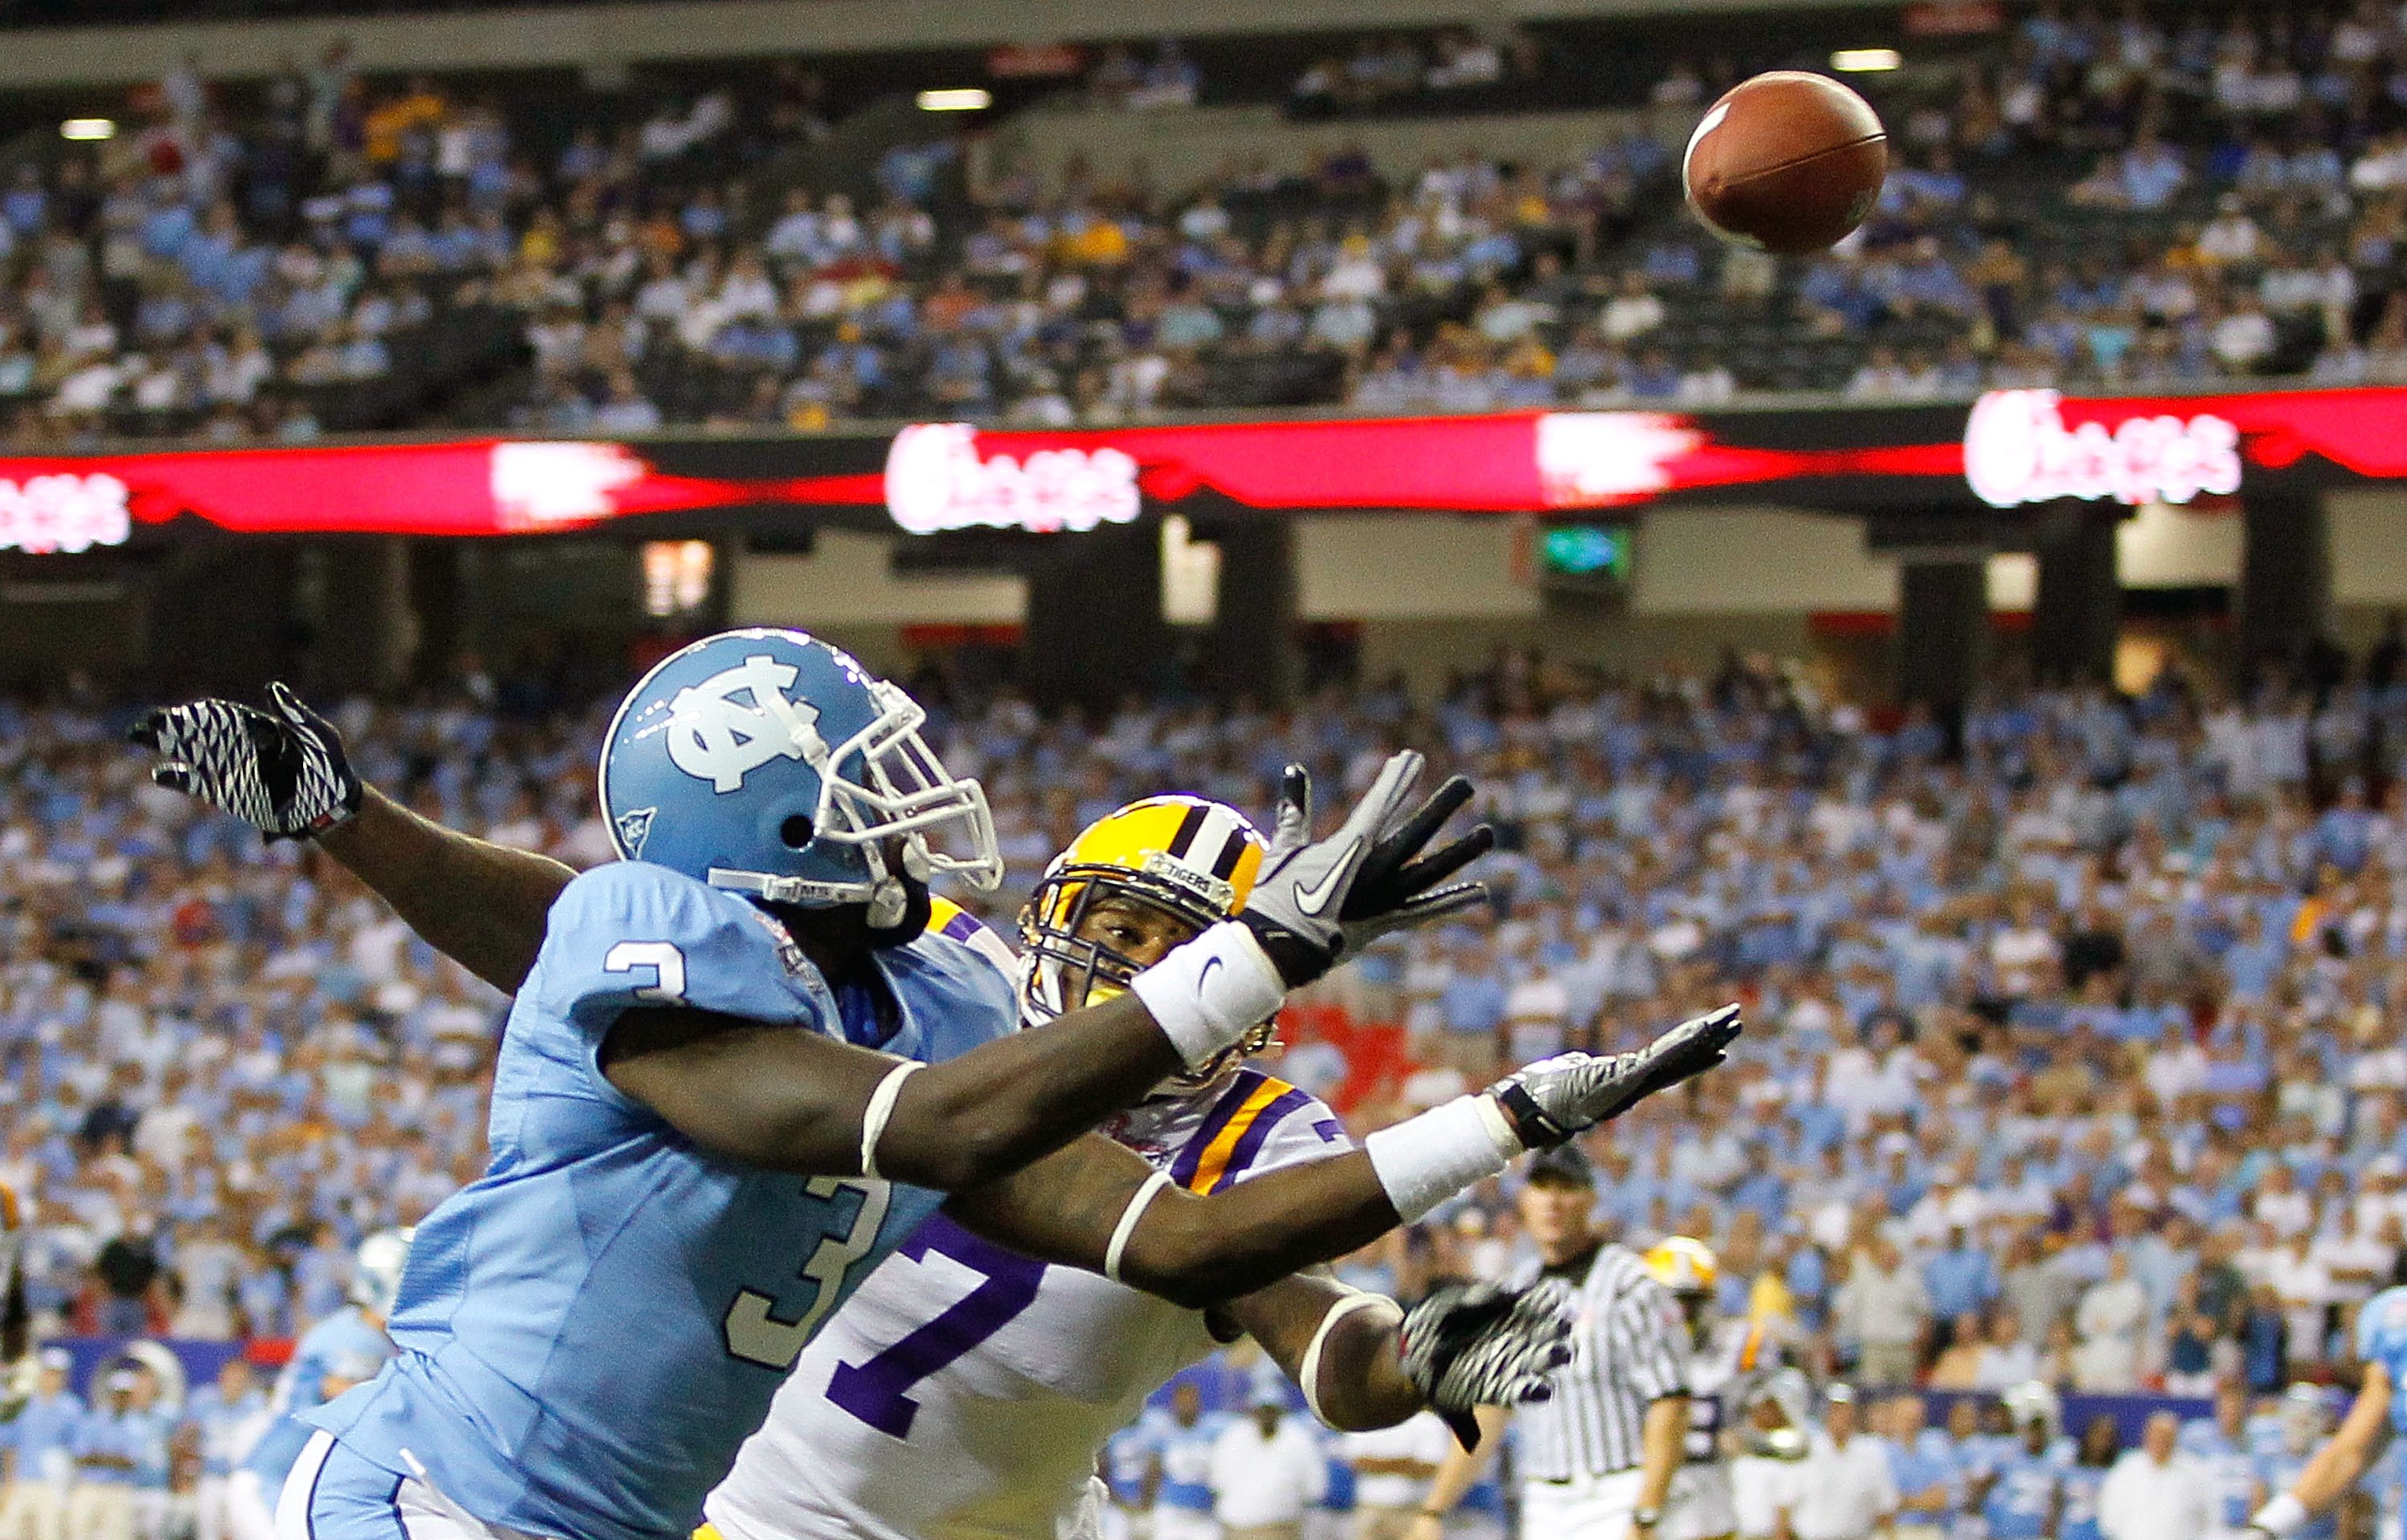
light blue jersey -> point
(43, 1435)
(2382, 1338)
(2231, 1470)
(347, 1346)
(1186, 1456)
(131, 1443)
(2080, 1485)
(223, 1426)
(2023, 1496)
(587, 1333)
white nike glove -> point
(1549, 1101)
(1317, 899)
(1477, 1344)
(283, 772)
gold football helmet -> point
(1156, 870)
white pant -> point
(1702, 1504)
(249, 1511)
(1171, 1523)
(35, 1510)
(100, 1510)
(210, 1508)
(1586, 1507)
(424, 1512)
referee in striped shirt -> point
(1597, 1457)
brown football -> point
(1787, 162)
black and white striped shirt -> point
(1629, 1349)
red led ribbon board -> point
(2013, 448)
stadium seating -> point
(2137, 204)
(2122, 971)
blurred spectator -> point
(1847, 1490)
(2156, 1492)
(1266, 1469)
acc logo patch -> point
(739, 719)
(635, 828)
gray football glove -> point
(283, 772)
(1316, 900)
(1553, 1099)
(1477, 1344)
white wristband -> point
(1129, 1216)
(2284, 1516)
(1308, 1373)
(1424, 1161)
(881, 1107)
(1212, 991)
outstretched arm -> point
(1192, 1250)
(480, 904)
(1357, 1381)
(767, 1094)
(2337, 1466)
(285, 773)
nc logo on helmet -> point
(717, 736)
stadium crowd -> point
(2073, 1053)
(2154, 199)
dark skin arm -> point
(481, 905)
(1191, 1250)
(769, 1095)
(1363, 1383)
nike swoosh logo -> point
(1312, 900)
(1203, 976)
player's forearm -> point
(1459, 1469)
(1358, 1377)
(1014, 1101)
(2337, 1465)
(1196, 1250)
(2335, 1468)
(482, 905)
(1665, 1440)
(1190, 1250)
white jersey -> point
(962, 1394)
(1721, 1378)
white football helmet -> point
(377, 1269)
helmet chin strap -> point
(889, 901)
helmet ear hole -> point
(796, 831)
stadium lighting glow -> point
(1864, 60)
(87, 130)
(967, 99)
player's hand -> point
(1316, 900)
(283, 772)
(1471, 1345)
(1553, 1099)
(1425, 1527)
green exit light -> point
(1585, 550)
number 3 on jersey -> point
(754, 1333)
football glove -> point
(283, 772)
(1315, 901)
(1553, 1099)
(1477, 1344)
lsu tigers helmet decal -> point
(1180, 862)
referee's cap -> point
(1564, 1166)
